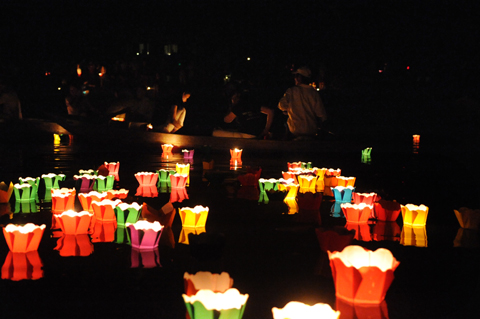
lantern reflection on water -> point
(208, 304)
(146, 258)
(335, 239)
(468, 218)
(362, 311)
(362, 276)
(74, 245)
(414, 236)
(185, 232)
(299, 310)
(22, 266)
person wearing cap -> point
(303, 105)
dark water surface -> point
(269, 254)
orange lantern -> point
(346, 181)
(356, 213)
(73, 223)
(104, 232)
(367, 198)
(22, 239)
(468, 218)
(5, 192)
(74, 245)
(359, 311)
(235, 157)
(206, 280)
(362, 276)
(299, 310)
(22, 266)
(414, 215)
(320, 172)
(63, 199)
(104, 210)
(86, 199)
(117, 193)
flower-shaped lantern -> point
(104, 210)
(343, 194)
(367, 198)
(74, 245)
(206, 280)
(366, 155)
(184, 169)
(362, 276)
(356, 213)
(63, 199)
(188, 154)
(22, 239)
(468, 218)
(86, 199)
(387, 211)
(235, 157)
(145, 235)
(265, 185)
(308, 183)
(117, 193)
(193, 217)
(320, 172)
(104, 183)
(22, 266)
(73, 223)
(208, 304)
(165, 215)
(167, 148)
(346, 181)
(164, 175)
(251, 177)
(86, 182)
(25, 193)
(147, 178)
(335, 239)
(299, 310)
(127, 213)
(51, 180)
(414, 215)
(29, 180)
(5, 192)
(113, 168)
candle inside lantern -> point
(299, 310)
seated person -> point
(177, 115)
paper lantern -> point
(167, 149)
(206, 280)
(345, 181)
(367, 198)
(414, 215)
(104, 210)
(5, 192)
(73, 223)
(416, 139)
(414, 236)
(146, 258)
(343, 194)
(127, 213)
(367, 151)
(113, 168)
(356, 213)
(22, 266)
(468, 218)
(387, 211)
(265, 185)
(333, 172)
(208, 304)
(74, 245)
(86, 199)
(291, 198)
(362, 231)
(145, 235)
(30, 181)
(121, 235)
(87, 172)
(188, 154)
(184, 169)
(147, 191)
(290, 175)
(334, 239)
(320, 172)
(86, 182)
(362, 311)
(164, 216)
(299, 310)
(25, 193)
(104, 183)
(51, 180)
(386, 231)
(185, 232)
(294, 165)
(251, 177)
(466, 238)
(117, 193)
(362, 276)
(147, 178)
(307, 183)
(164, 175)
(63, 199)
(236, 156)
(104, 232)
(22, 239)
(309, 201)
(329, 183)
(193, 217)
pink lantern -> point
(22, 239)
(113, 169)
(145, 235)
(104, 210)
(188, 154)
(387, 211)
(73, 223)
(362, 276)
(356, 213)
(87, 182)
(367, 198)
(87, 199)
(22, 266)
(147, 178)
(74, 245)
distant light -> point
(138, 53)
(179, 64)
(408, 67)
(150, 126)
(380, 71)
(47, 73)
(59, 88)
(149, 88)
(148, 52)
(248, 59)
(318, 89)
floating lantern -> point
(468, 218)
(362, 231)
(356, 213)
(147, 191)
(329, 183)
(117, 193)
(193, 217)
(146, 258)
(5, 192)
(87, 172)
(86, 199)
(184, 169)
(104, 232)
(386, 231)
(294, 165)
(367, 152)
(290, 175)
(167, 148)
(362, 311)
(22, 266)
(299, 310)
(414, 215)
(188, 154)
(56, 139)
(320, 172)
(86, 182)
(362, 276)
(178, 180)
(25, 193)
(345, 181)
(335, 239)
(185, 232)
(387, 211)
(251, 177)
(113, 169)
(121, 235)
(147, 178)
(104, 183)
(343, 194)
(416, 139)
(206, 280)
(367, 198)
(236, 156)
(164, 175)
(79, 70)
(145, 235)
(63, 199)
(265, 185)
(51, 180)
(414, 236)
(29, 180)
(309, 201)
(73, 223)
(22, 239)
(165, 215)
(308, 183)
(74, 246)
(104, 210)
(333, 172)
(208, 304)
(127, 213)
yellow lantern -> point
(414, 215)
(193, 217)
(184, 169)
(308, 183)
